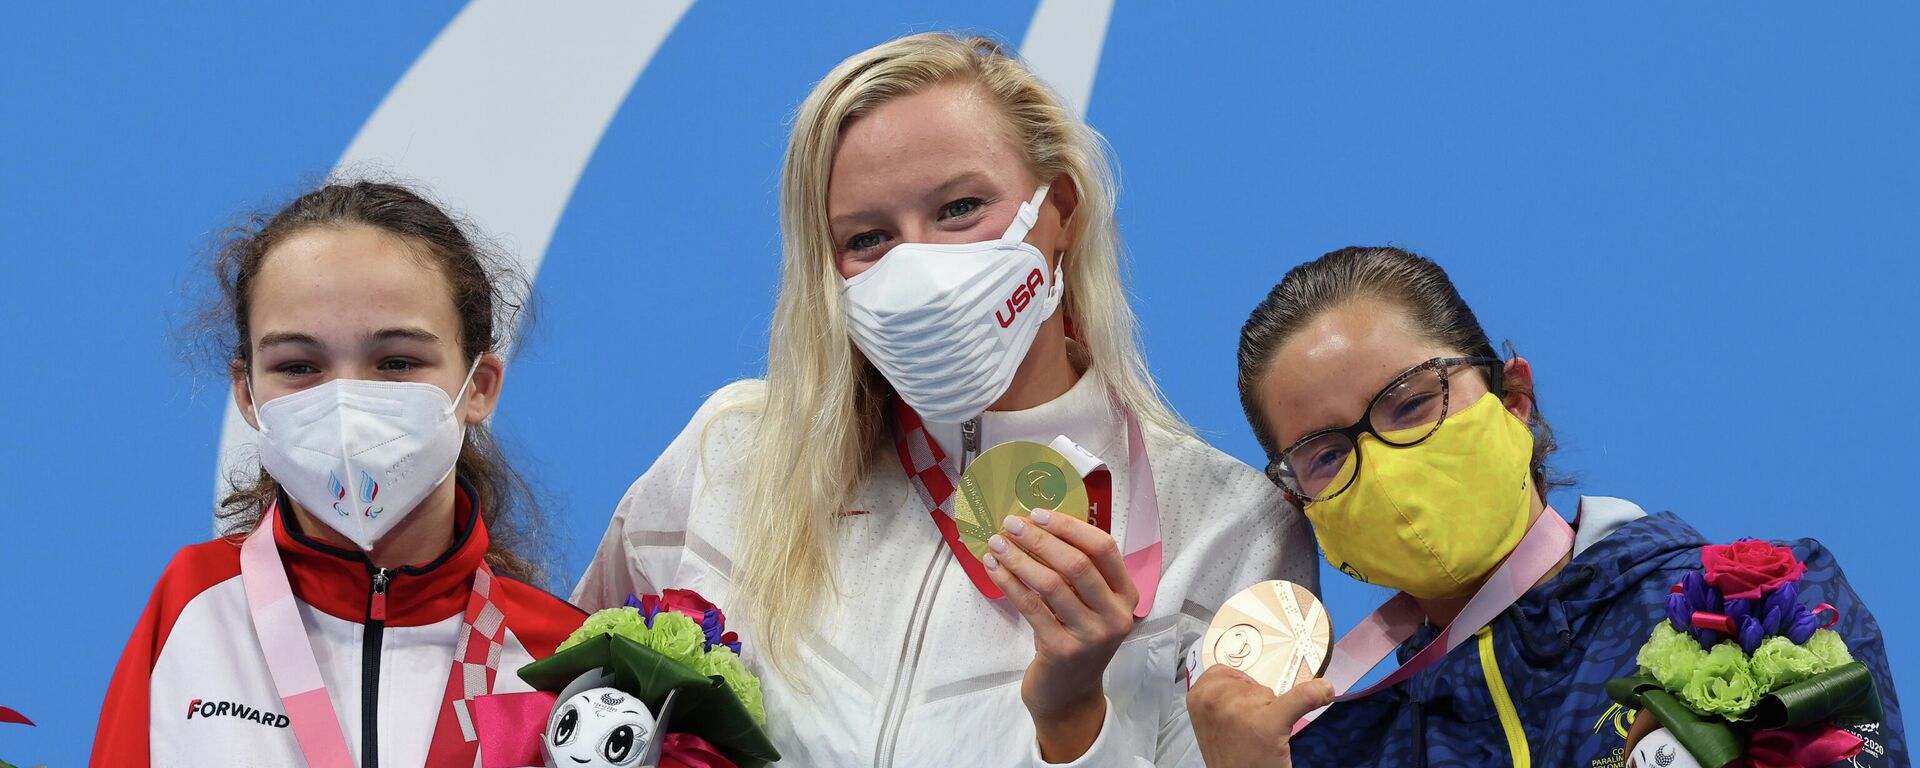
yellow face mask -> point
(1434, 518)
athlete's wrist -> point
(1066, 733)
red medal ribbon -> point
(925, 465)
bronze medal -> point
(1275, 631)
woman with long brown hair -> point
(371, 584)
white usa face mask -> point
(949, 324)
(360, 455)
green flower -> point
(1778, 663)
(1722, 684)
(625, 622)
(720, 662)
(1670, 656)
(1829, 649)
(675, 636)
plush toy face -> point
(598, 727)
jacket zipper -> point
(1502, 702)
(969, 441)
(370, 670)
(903, 673)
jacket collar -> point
(1084, 413)
(340, 581)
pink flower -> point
(1749, 569)
(690, 603)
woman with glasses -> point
(1420, 457)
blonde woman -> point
(950, 282)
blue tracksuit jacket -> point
(1534, 681)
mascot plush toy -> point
(656, 683)
(601, 726)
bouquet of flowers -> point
(1741, 673)
(656, 682)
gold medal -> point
(1275, 631)
(1014, 479)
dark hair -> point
(1411, 282)
(488, 294)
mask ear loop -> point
(454, 406)
(1023, 224)
(1025, 219)
(253, 403)
(458, 396)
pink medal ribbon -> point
(926, 466)
(1141, 552)
(296, 673)
(1377, 636)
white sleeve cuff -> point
(1107, 751)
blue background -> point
(1696, 221)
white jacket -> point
(914, 667)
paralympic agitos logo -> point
(206, 709)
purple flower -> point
(711, 627)
(1800, 628)
(1778, 607)
(1787, 594)
(1707, 638)
(1678, 612)
(1694, 587)
(648, 607)
(1750, 634)
(1737, 609)
(1775, 621)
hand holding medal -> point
(1276, 632)
(1023, 509)
(1260, 663)
(1011, 479)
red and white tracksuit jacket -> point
(192, 688)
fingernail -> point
(1043, 516)
(996, 543)
(993, 563)
(1016, 525)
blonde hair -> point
(821, 413)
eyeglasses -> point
(1409, 410)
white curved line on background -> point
(498, 119)
(1063, 46)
